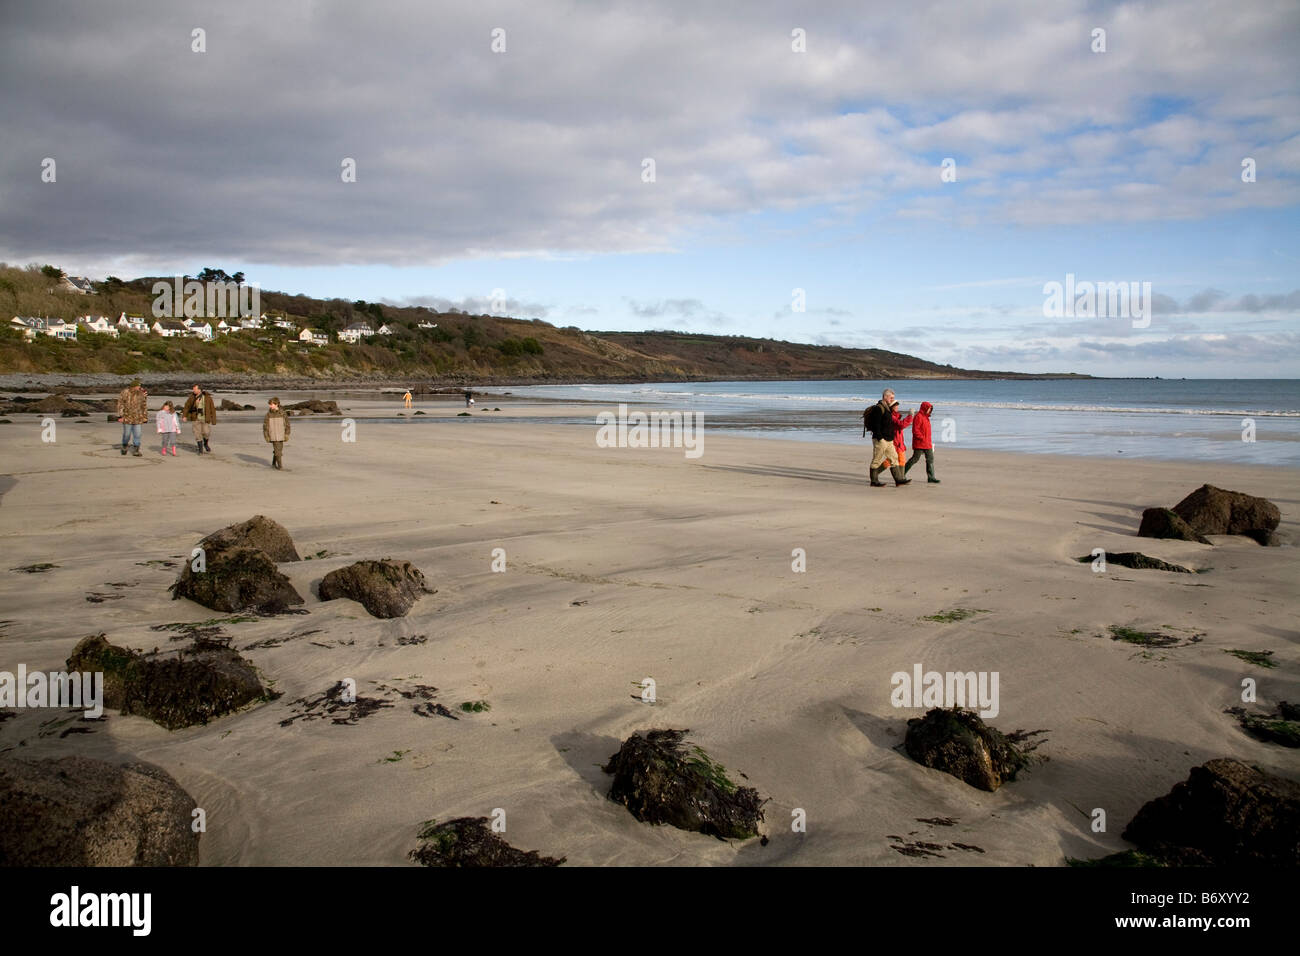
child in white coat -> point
(169, 426)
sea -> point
(1252, 421)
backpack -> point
(871, 420)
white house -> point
(384, 330)
(251, 323)
(132, 323)
(168, 329)
(97, 323)
(60, 329)
(283, 323)
(30, 326)
(76, 284)
(314, 337)
(198, 330)
(354, 332)
(427, 325)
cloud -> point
(166, 156)
(478, 305)
(1218, 302)
(686, 308)
(1279, 349)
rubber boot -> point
(124, 448)
(200, 447)
(136, 452)
(899, 476)
(875, 478)
(207, 447)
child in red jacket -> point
(900, 424)
(921, 444)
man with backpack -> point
(879, 420)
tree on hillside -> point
(52, 272)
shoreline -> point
(448, 408)
(364, 406)
(232, 381)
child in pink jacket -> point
(169, 426)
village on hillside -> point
(32, 326)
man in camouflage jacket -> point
(132, 412)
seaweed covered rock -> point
(958, 742)
(174, 689)
(258, 532)
(60, 403)
(315, 406)
(1282, 726)
(75, 811)
(228, 406)
(1163, 523)
(237, 579)
(1225, 813)
(1138, 561)
(1211, 510)
(385, 588)
(469, 841)
(660, 780)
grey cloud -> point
(1218, 302)
(234, 154)
(1279, 347)
(478, 305)
(1203, 301)
(653, 310)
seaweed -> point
(956, 614)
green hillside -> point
(485, 349)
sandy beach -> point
(623, 564)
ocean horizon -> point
(1250, 421)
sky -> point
(743, 168)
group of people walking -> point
(889, 447)
(200, 411)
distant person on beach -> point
(407, 398)
(169, 426)
(201, 412)
(921, 443)
(469, 399)
(275, 429)
(132, 412)
(879, 420)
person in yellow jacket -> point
(407, 398)
(275, 429)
